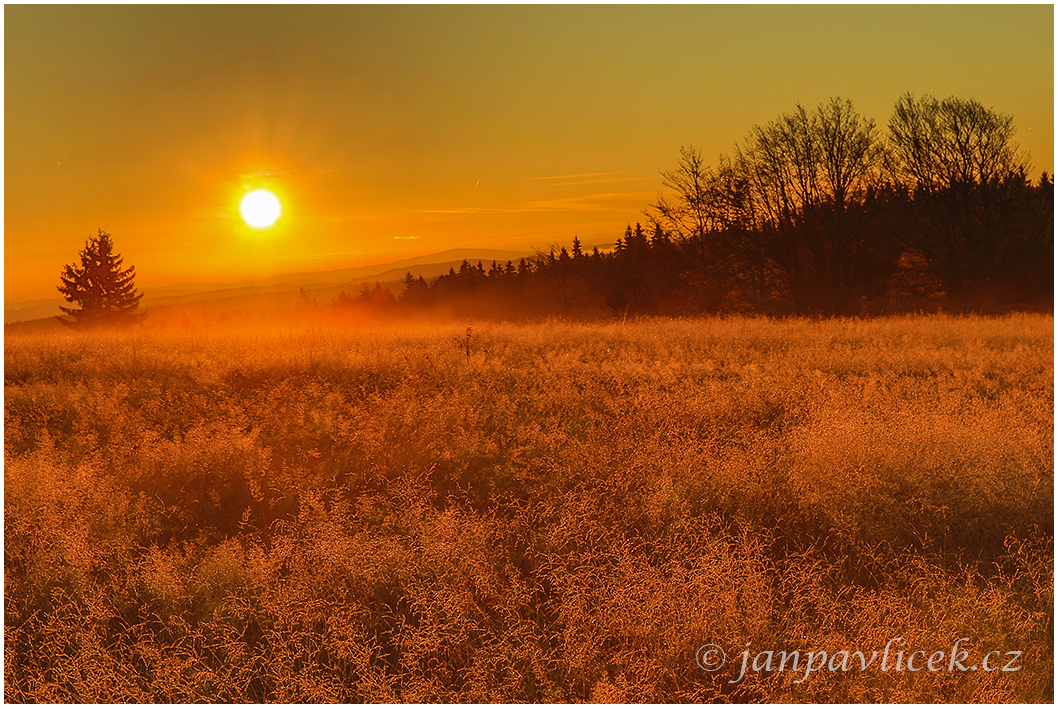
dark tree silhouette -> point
(810, 173)
(814, 213)
(105, 291)
(970, 197)
(694, 217)
(416, 291)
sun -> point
(260, 209)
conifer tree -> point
(105, 291)
(577, 250)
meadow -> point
(551, 512)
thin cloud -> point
(414, 236)
(468, 210)
(601, 202)
(582, 174)
(611, 179)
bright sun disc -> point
(260, 209)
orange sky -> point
(393, 131)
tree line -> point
(817, 212)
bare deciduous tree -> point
(970, 196)
(809, 174)
(940, 144)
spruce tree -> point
(105, 291)
(577, 250)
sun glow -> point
(260, 209)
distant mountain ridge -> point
(427, 266)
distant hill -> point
(32, 309)
(319, 283)
(318, 279)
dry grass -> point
(566, 514)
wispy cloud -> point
(468, 210)
(413, 236)
(600, 202)
(610, 179)
(582, 174)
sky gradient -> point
(394, 131)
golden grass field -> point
(553, 512)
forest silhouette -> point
(814, 213)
